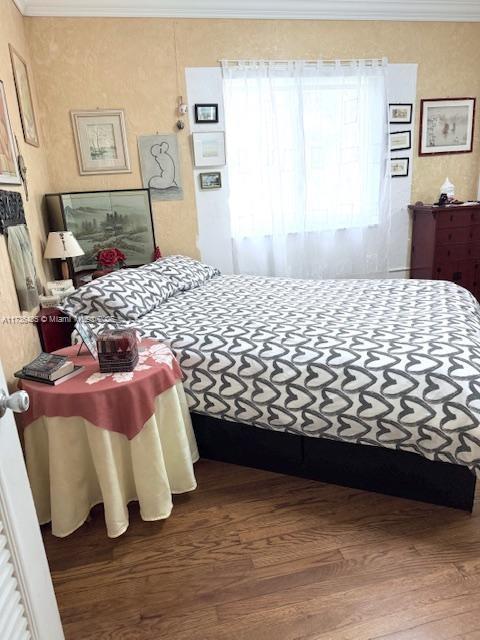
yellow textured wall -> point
(19, 342)
(130, 63)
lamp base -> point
(65, 270)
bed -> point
(369, 383)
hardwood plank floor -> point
(253, 555)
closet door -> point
(28, 608)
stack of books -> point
(49, 369)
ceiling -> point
(419, 10)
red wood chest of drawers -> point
(446, 244)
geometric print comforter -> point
(391, 363)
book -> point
(76, 370)
(48, 366)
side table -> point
(111, 438)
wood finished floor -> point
(253, 555)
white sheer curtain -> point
(307, 146)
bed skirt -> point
(388, 471)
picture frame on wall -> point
(24, 97)
(211, 180)
(101, 141)
(9, 173)
(399, 167)
(446, 126)
(400, 140)
(209, 149)
(400, 113)
(206, 113)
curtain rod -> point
(308, 62)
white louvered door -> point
(28, 608)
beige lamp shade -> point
(62, 245)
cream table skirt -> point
(73, 465)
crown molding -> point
(21, 6)
(409, 10)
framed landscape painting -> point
(101, 141)
(24, 96)
(103, 219)
(9, 173)
(446, 125)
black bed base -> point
(395, 473)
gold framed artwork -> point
(9, 173)
(101, 141)
(24, 96)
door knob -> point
(18, 402)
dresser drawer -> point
(449, 220)
(457, 235)
(462, 272)
(447, 253)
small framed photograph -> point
(400, 113)
(88, 337)
(206, 113)
(209, 149)
(400, 140)
(446, 125)
(101, 141)
(211, 180)
(399, 167)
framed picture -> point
(400, 113)
(400, 140)
(160, 166)
(88, 337)
(101, 141)
(206, 113)
(24, 97)
(209, 149)
(212, 180)
(446, 125)
(399, 167)
(9, 173)
(103, 219)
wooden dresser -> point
(446, 244)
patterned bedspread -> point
(392, 363)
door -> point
(28, 608)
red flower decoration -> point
(110, 257)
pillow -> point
(127, 294)
(185, 273)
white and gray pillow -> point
(185, 273)
(127, 294)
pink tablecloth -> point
(120, 402)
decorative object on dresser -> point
(24, 96)
(9, 173)
(446, 126)
(400, 113)
(102, 219)
(446, 244)
(101, 141)
(60, 246)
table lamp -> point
(62, 245)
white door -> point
(28, 608)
